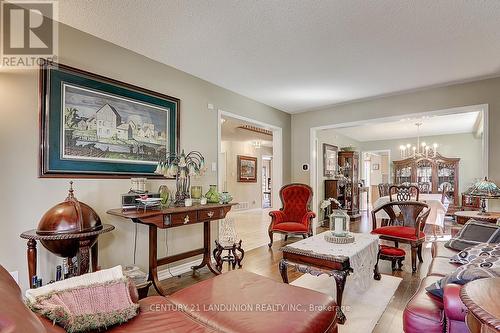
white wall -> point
(25, 197)
(244, 192)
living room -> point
(161, 74)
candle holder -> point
(339, 223)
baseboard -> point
(249, 210)
(178, 270)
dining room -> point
(433, 158)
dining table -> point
(438, 208)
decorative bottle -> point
(212, 195)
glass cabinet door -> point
(403, 175)
(424, 176)
(446, 176)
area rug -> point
(362, 309)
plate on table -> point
(149, 201)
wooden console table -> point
(464, 216)
(172, 217)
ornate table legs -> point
(94, 254)
(340, 277)
(376, 273)
(154, 261)
(84, 256)
(207, 260)
(31, 254)
(233, 258)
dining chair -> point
(405, 224)
(404, 193)
(383, 189)
(445, 192)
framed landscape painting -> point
(247, 169)
(330, 160)
(93, 126)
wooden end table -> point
(87, 252)
(482, 299)
(316, 256)
(465, 215)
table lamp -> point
(484, 189)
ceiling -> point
(301, 55)
(406, 128)
(231, 132)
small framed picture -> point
(247, 169)
(375, 166)
(330, 160)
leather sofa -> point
(199, 308)
(425, 313)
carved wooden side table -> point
(232, 257)
(482, 299)
(316, 256)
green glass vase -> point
(212, 195)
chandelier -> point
(420, 150)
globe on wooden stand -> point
(68, 229)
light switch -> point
(214, 166)
(210, 106)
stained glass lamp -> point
(484, 189)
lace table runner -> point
(362, 254)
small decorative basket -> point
(349, 238)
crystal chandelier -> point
(257, 144)
(420, 150)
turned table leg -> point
(94, 254)
(283, 267)
(340, 279)
(83, 256)
(153, 260)
(31, 255)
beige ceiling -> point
(298, 55)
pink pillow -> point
(89, 307)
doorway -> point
(266, 181)
(238, 138)
(477, 132)
(375, 170)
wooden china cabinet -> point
(430, 175)
(348, 193)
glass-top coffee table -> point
(316, 256)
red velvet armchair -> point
(296, 216)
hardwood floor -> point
(251, 227)
(264, 261)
